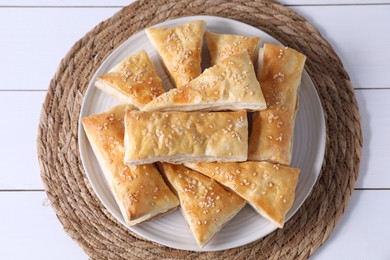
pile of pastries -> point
(190, 147)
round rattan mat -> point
(84, 217)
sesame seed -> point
(199, 222)
(218, 210)
(254, 174)
(271, 184)
(218, 197)
(263, 192)
(205, 222)
(284, 200)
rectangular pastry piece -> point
(205, 204)
(229, 85)
(268, 188)
(273, 129)
(133, 81)
(178, 137)
(130, 185)
(180, 49)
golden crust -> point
(205, 204)
(268, 188)
(272, 129)
(180, 48)
(132, 81)
(130, 185)
(222, 46)
(178, 137)
(229, 85)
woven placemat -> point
(84, 217)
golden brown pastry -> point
(178, 137)
(229, 85)
(222, 46)
(205, 204)
(268, 188)
(180, 49)
(273, 129)
(133, 81)
(140, 191)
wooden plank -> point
(18, 134)
(52, 31)
(363, 232)
(374, 108)
(30, 230)
(64, 3)
(35, 40)
(333, 2)
(18, 138)
(102, 3)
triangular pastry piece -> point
(222, 46)
(178, 137)
(280, 71)
(229, 85)
(180, 49)
(268, 188)
(140, 191)
(133, 81)
(205, 204)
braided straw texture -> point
(84, 217)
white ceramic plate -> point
(171, 230)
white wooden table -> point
(35, 35)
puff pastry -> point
(140, 191)
(178, 137)
(180, 49)
(229, 85)
(268, 188)
(133, 81)
(273, 129)
(222, 46)
(205, 204)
